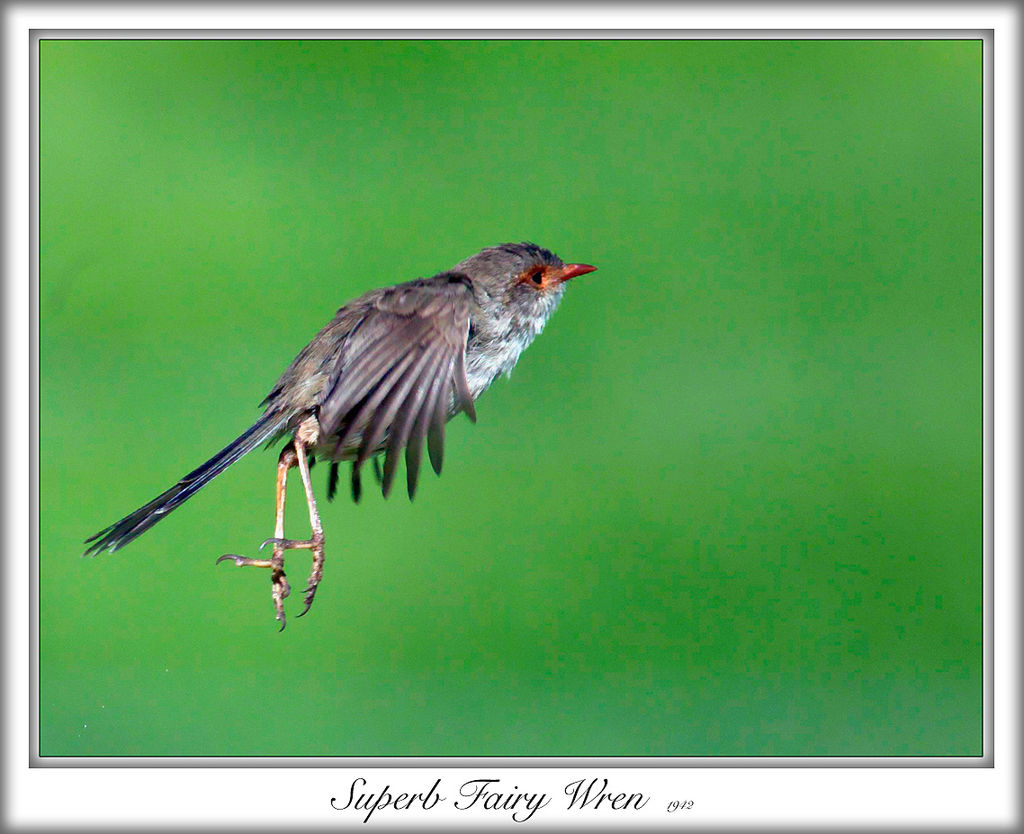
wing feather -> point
(407, 412)
(380, 420)
(462, 392)
(360, 422)
(399, 377)
(364, 371)
(435, 429)
(414, 450)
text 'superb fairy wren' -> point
(385, 375)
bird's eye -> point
(537, 278)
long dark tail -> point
(135, 524)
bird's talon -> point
(242, 561)
(287, 544)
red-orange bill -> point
(572, 270)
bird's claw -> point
(243, 561)
(315, 543)
(280, 587)
(287, 544)
(317, 572)
(280, 592)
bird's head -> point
(523, 278)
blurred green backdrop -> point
(730, 503)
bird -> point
(381, 379)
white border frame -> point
(946, 797)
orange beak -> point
(571, 271)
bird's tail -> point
(135, 524)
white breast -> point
(498, 341)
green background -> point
(730, 502)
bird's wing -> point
(401, 369)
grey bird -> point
(382, 378)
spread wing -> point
(403, 371)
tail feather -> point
(133, 525)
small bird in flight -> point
(383, 377)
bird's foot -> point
(280, 589)
(315, 544)
(317, 572)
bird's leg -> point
(317, 537)
(315, 542)
(280, 586)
